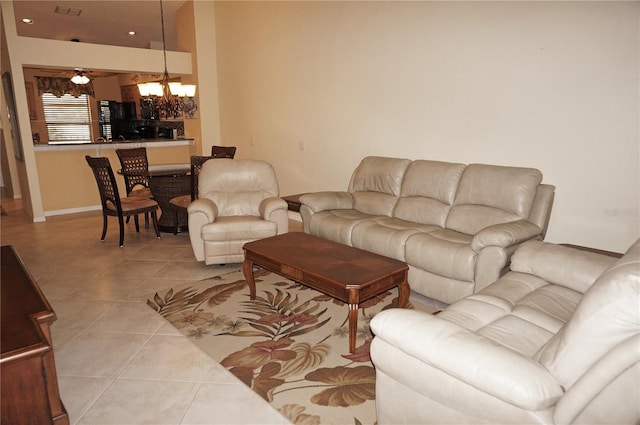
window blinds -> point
(67, 118)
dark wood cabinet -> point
(28, 383)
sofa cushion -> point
(376, 183)
(374, 203)
(491, 194)
(323, 201)
(244, 228)
(428, 191)
(336, 225)
(519, 311)
(608, 315)
(443, 252)
(386, 235)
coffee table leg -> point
(353, 326)
(403, 294)
(247, 270)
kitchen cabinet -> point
(130, 94)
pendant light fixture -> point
(168, 93)
(80, 78)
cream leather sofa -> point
(455, 225)
(554, 341)
(238, 202)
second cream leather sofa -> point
(554, 341)
(456, 225)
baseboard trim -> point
(292, 215)
(72, 210)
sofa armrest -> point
(560, 265)
(468, 357)
(505, 235)
(323, 201)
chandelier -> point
(166, 95)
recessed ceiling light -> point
(27, 21)
(132, 33)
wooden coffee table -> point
(340, 271)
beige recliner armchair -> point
(554, 341)
(238, 203)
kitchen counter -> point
(67, 184)
(132, 143)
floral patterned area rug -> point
(290, 345)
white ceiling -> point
(100, 21)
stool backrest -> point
(223, 151)
(135, 167)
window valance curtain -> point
(61, 86)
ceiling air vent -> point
(68, 11)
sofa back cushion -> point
(492, 194)
(375, 184)
(607, 315)
(237, 186)
(428, 191)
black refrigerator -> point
(117, 119)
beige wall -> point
(205, 68)
(550, 85)
(186, 33)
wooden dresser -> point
(28, 382)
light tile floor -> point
(117, 361)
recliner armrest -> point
(323, 201)
(202, 211)
(467, 356)
(270, 205)
(505, 235)
(204, 206)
